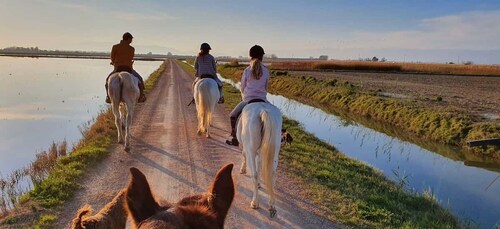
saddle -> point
(256, 101)
(208, 76)
(124, 69)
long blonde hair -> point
(256, 68)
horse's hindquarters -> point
(123, 87)
(206, 94)
(259, 132)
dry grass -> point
(13, 187)
(432, 68)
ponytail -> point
(256, 68)
(203, 52)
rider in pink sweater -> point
(254, 83)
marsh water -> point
(466, 184)
(45, 100)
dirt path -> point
(476, 95)
(178, 162)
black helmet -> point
(127, 36)
(205, 46)
(257, 52)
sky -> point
(399, 30)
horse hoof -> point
(208, 135)
(120, 142)
(199, 132)
(127, 149)
(243, 171)
(254, 205)
(272, 212)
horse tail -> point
(202, 106)
(268, 146)
(127, 83)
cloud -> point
(128, 16)
(478, 30)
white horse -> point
(259, 132)
(206, 95)
(123, 88)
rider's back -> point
(205, 64)
(254, 88)
(122, 55)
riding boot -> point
(108, 100)
(142, 97)
(233, 141)
(221, 99)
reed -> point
(430, 68)
(20, 181)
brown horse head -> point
(206, 210)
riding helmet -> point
(205, 46)
(256, 52)
(127, 36)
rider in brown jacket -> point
(122, 57)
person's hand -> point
(110, 63)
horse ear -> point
(222, 190)
(140, 201)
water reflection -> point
(44, 100)
(458, 180)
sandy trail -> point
(178, 162)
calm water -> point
(45, 100)
(471, 192)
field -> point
(478, 96)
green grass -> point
(439, 126)
(45, 221)
(63, 181)
(351, 192)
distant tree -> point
(323, 57)
(272, 56)
(383, 59)
(468, 62)
(149, 54)
(375, 59)
(169, 54)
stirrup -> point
(233, 142)
(108, 100)
(221, 100)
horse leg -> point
(208, 123)
(255, 179)
(243, 168)
(257, 165)
(272, 199)
(128, 122)
(118, 123)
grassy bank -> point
(331, 95)
(348, 191)
(428, 68)
(37, 208)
